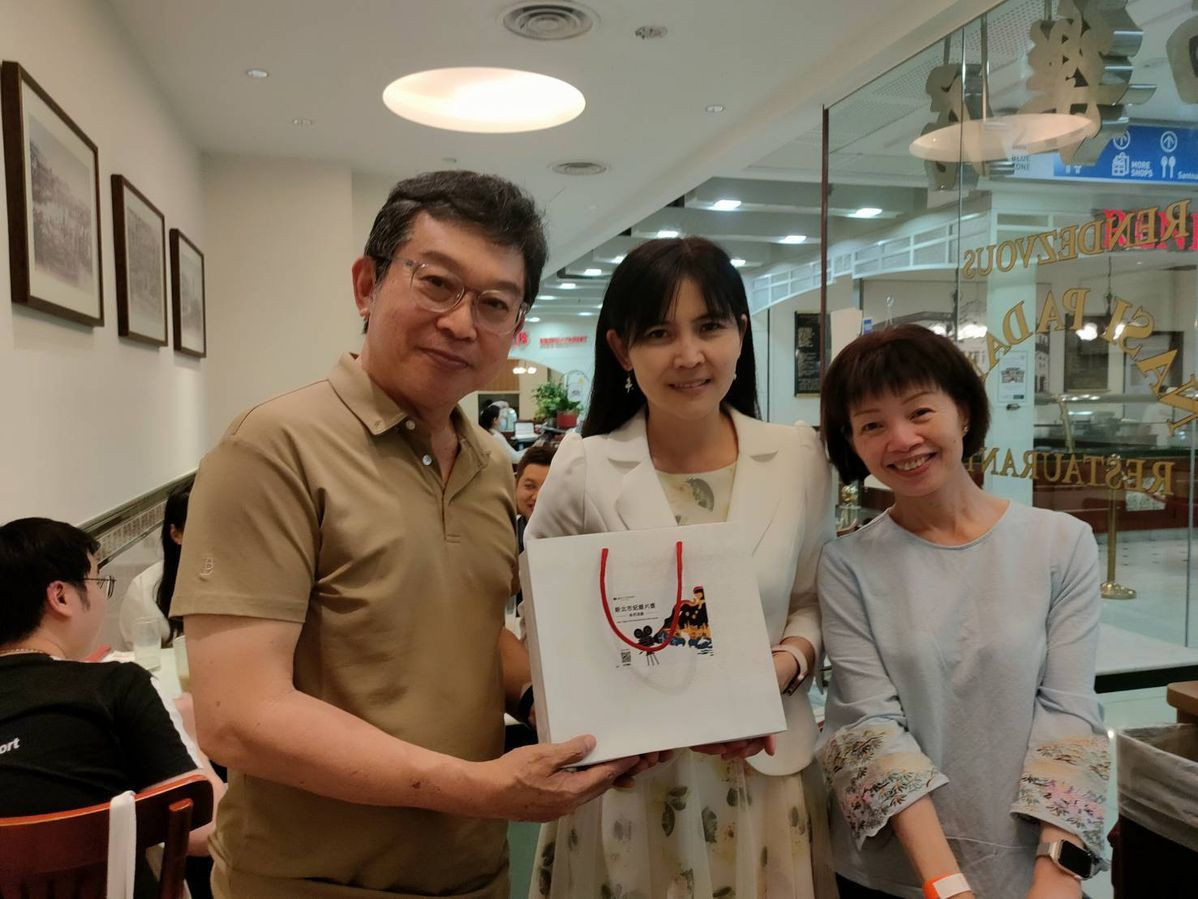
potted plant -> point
(553, 402)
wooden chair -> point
(65, 854)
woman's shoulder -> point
(880, 533)
(1032, 523)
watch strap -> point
(946, 886)
(800, 659)
(524, 706)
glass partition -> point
(1029, 186)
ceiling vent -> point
(580, 168)
(549, 21)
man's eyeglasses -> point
(437, 289)
(107, 584)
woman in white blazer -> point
(671, 437)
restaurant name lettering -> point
(1154, 477)
(1129, 326)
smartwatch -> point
(1070, 858)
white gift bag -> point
(611, 658)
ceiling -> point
(769, 63)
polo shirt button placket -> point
(410, 425)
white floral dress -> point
(694, 827)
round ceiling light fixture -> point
(1001, 137)
(556, 21)
(484, 100)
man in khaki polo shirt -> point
(349, 550)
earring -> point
(965, 430)
(628, 383)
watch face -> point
(1075, 859)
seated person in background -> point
(149, 594)
(488, 419)
(530, 475)
(75, 733)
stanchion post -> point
(1112, 589)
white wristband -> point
(946, 887)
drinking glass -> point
(147, 643)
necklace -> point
(13, 652)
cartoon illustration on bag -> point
(686, 629)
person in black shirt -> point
(73, 733)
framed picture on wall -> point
(808, 337)
(187, 295)
(139, 246)
(52, 176)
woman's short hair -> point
(892, 361)
(641, 291)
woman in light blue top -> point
(963, 736)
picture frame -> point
(808, 339)
(139, 251)
(52, 175)
(187, 296)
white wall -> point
(369, 194)
(91, 420)
(777, 356)
(281, 306)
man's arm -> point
(251, 718)
(517, 672)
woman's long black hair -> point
(639, 296)
(175, 514)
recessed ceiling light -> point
(714, 107)
(302, 123)
(567, 285)
(618, 259)
(257, 73)
(794, 238)
(592, 272)
(725, 205)
(484, 100)
(532, 319)
(651, 32)
(667, 232)
(585, 313)
(866, 212)
(738, 262)
(519, 370)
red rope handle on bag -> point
(612, 622)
